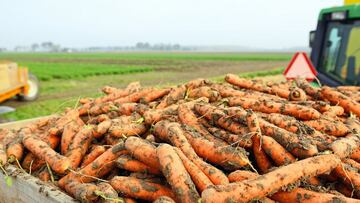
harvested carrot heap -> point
(238, 141)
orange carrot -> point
(308, 196)
(172, 132)
(128, 163)
(344, 147)
(129, 108)
(3, 156)
(79, 146)
(356, 155)
(102, 128)
(336, 97)
(58, 163)
(176, 174)
(164, 199)
(300, 147)
(150, 138)
(281, 92)
(240, 175)
(98, 168)
(226, 156)
(353, 124)
(334, 111)
(134, 97)
(200, 179)
(199, 82)
(277, 153)
(108, 193)
(297, 94)
(139, 189)
(95, 152)
(349, 176)
(329, 126)
(175, 95)
(70, 130)
(204, 91)
(84, 192)
(247, 84)
(158, 93)
(187, 117)
(268, 183)
(44, 175)
(262, 160)
(126, 126)
(234, 139)
(267, 106)
(143, 151)
(310, 90)
(109, 89)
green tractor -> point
(336, 45)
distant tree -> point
(34, 47)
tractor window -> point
(341, 52)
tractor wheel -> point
(34, 89)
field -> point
(65, 77)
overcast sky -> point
(82, 23)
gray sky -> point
(81, 23)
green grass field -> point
(66, 77)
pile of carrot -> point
(238, 141)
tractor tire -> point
(34, 89)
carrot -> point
(240, 175)
(150, 138)
(133, 87)
(174, 95)
(143, 151)
(12, 143)
(281, 92)
(233, 139)
(139, 189)
(352, 163)
(58, 163)
(98, 168)
(72, 115)
(348, 88)
(109, 89)
(344, 147)
(334, 111)
(129, 108)
(262, 160)
(353, 124)
(102, 128)
(356, 155)
(108, 193)
(173, 133)
(69, 132)
(349, 176)
(84, 192)
(128, 163)
(201, 181)
(310, 90)
(247, 84)
(158, 93)
(204, 91)
(164, 199)
(277, 153)
(3, 156)
(187, 117)
(308, 196)
(221, 119)
(297, 94)
(95, 152)
(226, 156)
(228, 91)
(126, 126)
(79, 146)
(267, 106)
(298, 146)
(44, 175)
(134, 97)
(268, 183)
(176, 174)
(336, 97)
(329, 126)
(196, 83)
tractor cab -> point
(336, 45)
